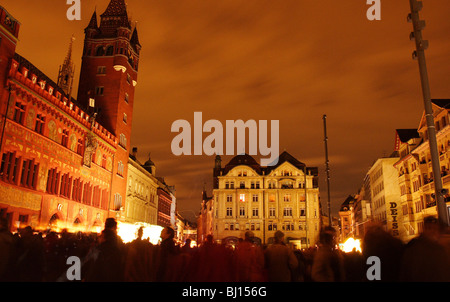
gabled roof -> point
(242, 159)
(247, 160)
(443, 103)
(347, 204)
(286, 157)
(405, 135)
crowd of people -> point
(28, 256)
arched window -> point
(110, 50)
(117, 202)
(53, 220)
(100, 51)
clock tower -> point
(108, 78)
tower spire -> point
(67, 71)
(115, 16)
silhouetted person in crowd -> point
(249, 260)
(108, 264)
(328, 263)
(425, 259)
(140, 263)
(167, 252)
(7, 252)
(280, 260)
(377, 242)
(31, 259)
(212, 262)
(187, 249)
(354, 266)
(298, 274)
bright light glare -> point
(351, 244)
(128, 232)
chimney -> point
(134, 153)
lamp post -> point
(419, 55)
(327, 167)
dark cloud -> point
(290, 60)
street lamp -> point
(419, 55)
(327, 162)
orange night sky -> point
(287, 60)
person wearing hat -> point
(280, 260)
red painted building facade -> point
(64, 163)
(166, 204)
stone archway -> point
(53, 222)
(230, 241)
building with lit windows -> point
(64, 161)
(266, 199)
(166, 204)
(385, 194)
(141, 199)
(346, 215)
(415, 171)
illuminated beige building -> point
(415, 171)
(266, 199)
(141, 199)
(385, 194)
(346, 215)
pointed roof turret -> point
(149, 165)
(134, 37)
(204, 194)
(67, 71)
(93, 23)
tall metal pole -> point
(419, 54)
(327, 167)
(306, 210)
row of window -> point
(271, 226)
(243, 173)
(377, 189)
(420, 205)
(141, 190)
(270, 185)
(19, 171)
(38, 126)
(110, 51)
(66, 186)
(287, 212)
(24, 172)
(255, 198)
